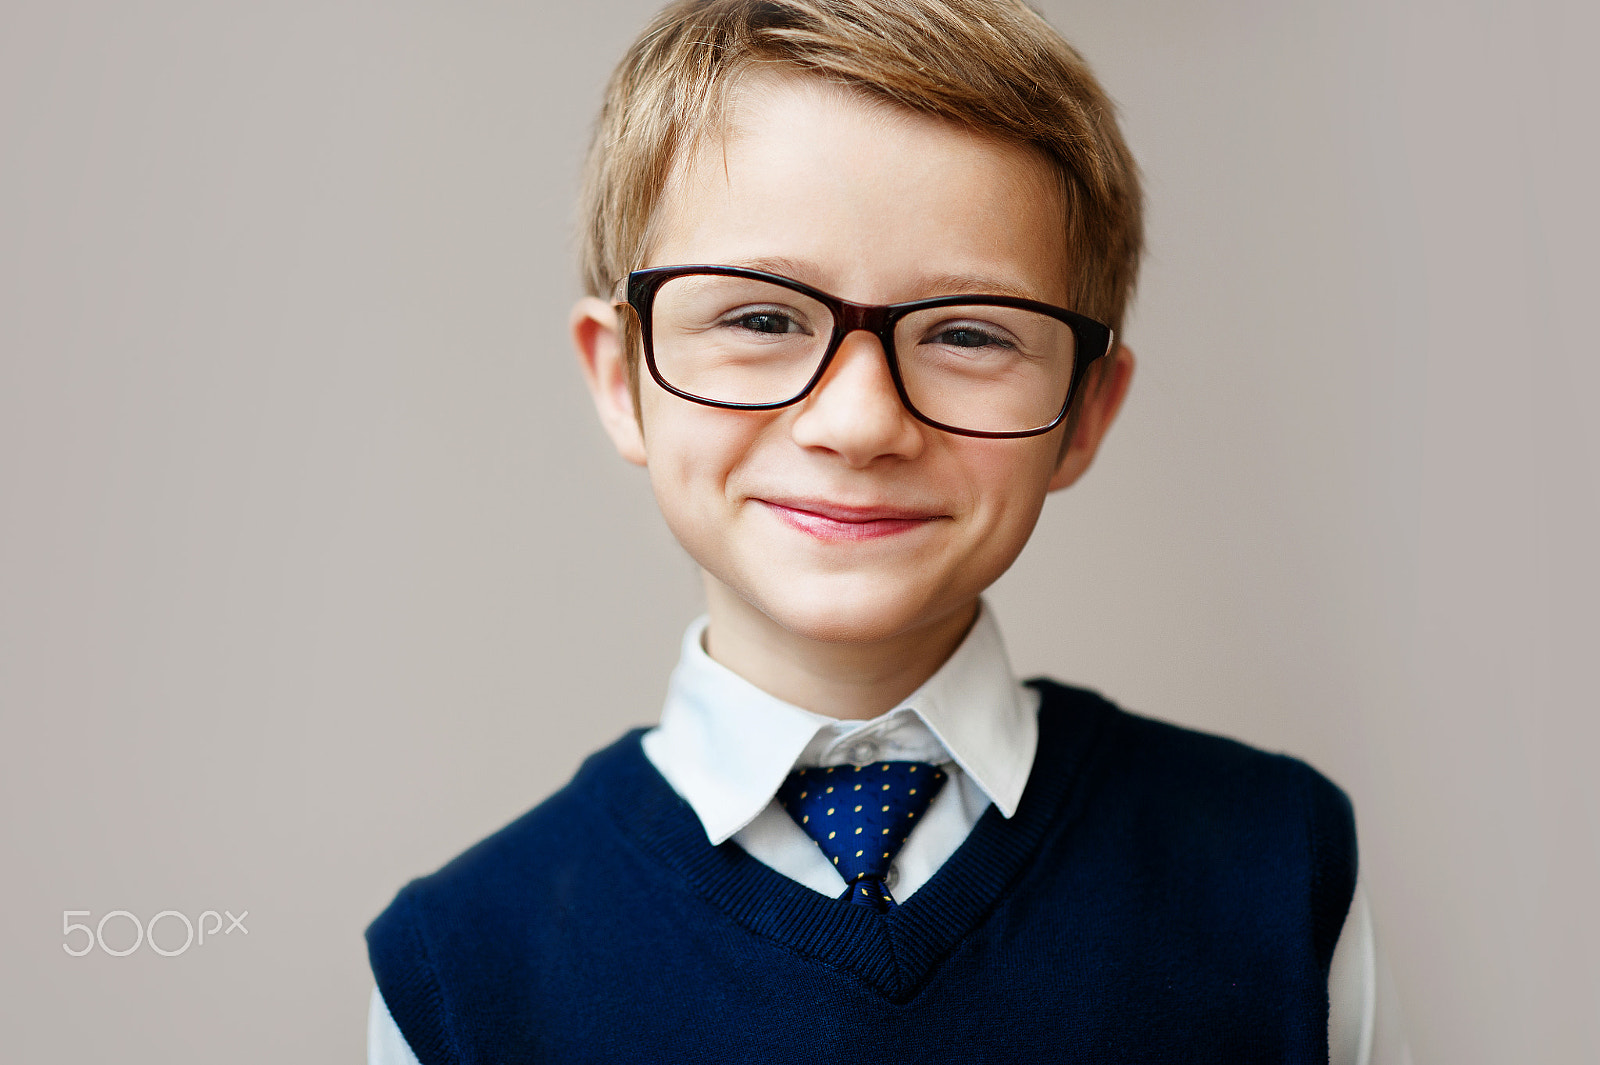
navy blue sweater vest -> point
(1161, 895)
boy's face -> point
(843, 517)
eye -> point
(966, 336)
(771, 321)
(766, 323)
(969, 336)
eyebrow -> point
(926, 287)
(968, 284)
(797, 269)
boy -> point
(856, 271)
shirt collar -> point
(726, 746)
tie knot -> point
(861, 815)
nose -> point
(855, 411)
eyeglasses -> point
(990, 366)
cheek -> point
(1010, 477)
(691, 451)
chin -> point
(832, 614)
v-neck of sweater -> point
(893, 952)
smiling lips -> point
(836, 522)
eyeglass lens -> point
(981, 367)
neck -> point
(853, 680)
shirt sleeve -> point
(385, 1044)
(1364, 1025)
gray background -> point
(314, 566)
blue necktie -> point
(860, 816)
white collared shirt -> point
(725, 746)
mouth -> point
(831, 521)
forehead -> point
(859, 196)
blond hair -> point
(994, 66)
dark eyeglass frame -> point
(877, 319)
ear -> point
(1104, 388)
(598, 341)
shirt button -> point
(892, 878)
(862, 753)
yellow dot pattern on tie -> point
(904, 792)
